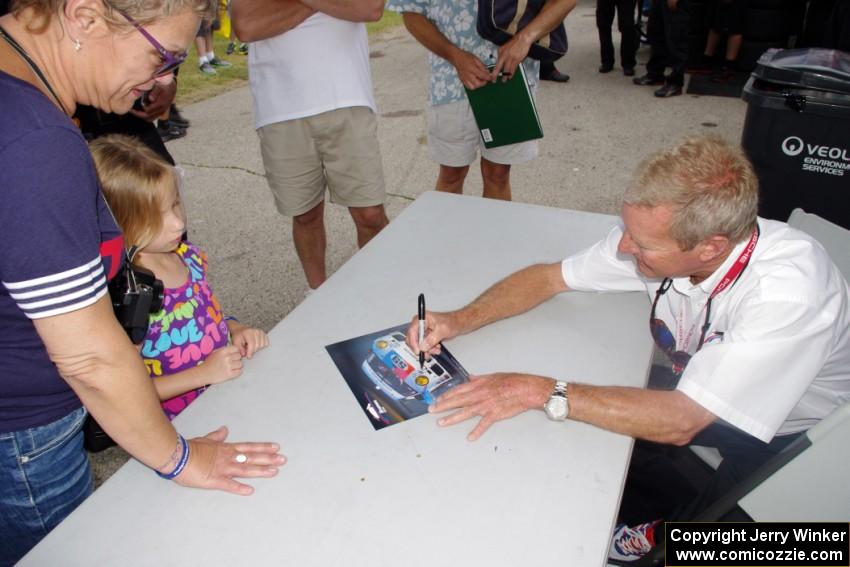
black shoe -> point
(629, 71)
(648, 80)
(606, 67)
(556, 76)
(177, 119)
(669, 90)
(169, 131)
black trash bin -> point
(797, 132)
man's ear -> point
(84, 19)
(713, 247)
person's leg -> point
(628, 35)
(369, 221)
(658, 47)
(655, 487)
(296, 178)
(604, 20)
(496, 166)
(733, 48)
(497, 180)
(450, 179)
(347, 140)
(44, 476)
(655, 26)
(453, 142)
(676, 36)
(308, 235)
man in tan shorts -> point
(315, 115)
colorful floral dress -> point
(187, 329)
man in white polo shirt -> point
(753, 316)
(315, 115)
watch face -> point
(556, 407)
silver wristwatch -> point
(557, 408)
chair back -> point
(835, 239)
(813, 486)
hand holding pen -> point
(435, 328)
(421, 317)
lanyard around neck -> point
(727, 281)
(33, 67)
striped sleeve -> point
(59, 293)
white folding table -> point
(530, 492)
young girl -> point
(189, 343)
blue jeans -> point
(44, 475)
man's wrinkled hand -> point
(439, 327)
(492, 397)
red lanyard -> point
(728, 280)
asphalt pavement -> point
(597, 128)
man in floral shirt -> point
(460, 58)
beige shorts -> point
(336, 149)
(454, 140)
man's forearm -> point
(351, 10)
(426, 33)
(517, 293)
(549, 17)
(254, 20)
(661, 416)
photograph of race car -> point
(384, 375)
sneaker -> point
(207, 69)
(669, 90)
(243, 49)
(169, 131)
(176, 118)
(630, 544)
(231, 47)
(648, 80)
(216, 62)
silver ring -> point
(241, 458)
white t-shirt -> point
(776, 358)
(319, 66)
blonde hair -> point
(709, 184)
(136, 183)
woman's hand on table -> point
(215, 464)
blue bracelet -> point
(231, 318)
(181, 464)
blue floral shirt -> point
(456, 20)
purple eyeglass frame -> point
(170, 60)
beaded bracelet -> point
(181, 464)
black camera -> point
(135, 293)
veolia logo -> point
(792, 146)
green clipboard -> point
(505, 111)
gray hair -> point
(709, 184)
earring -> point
(77, 45)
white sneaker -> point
(630, 544)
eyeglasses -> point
(664, 338)
(170, 60)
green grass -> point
(194, 86)
(388, 21)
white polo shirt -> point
(320, 65)
(776, 359)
